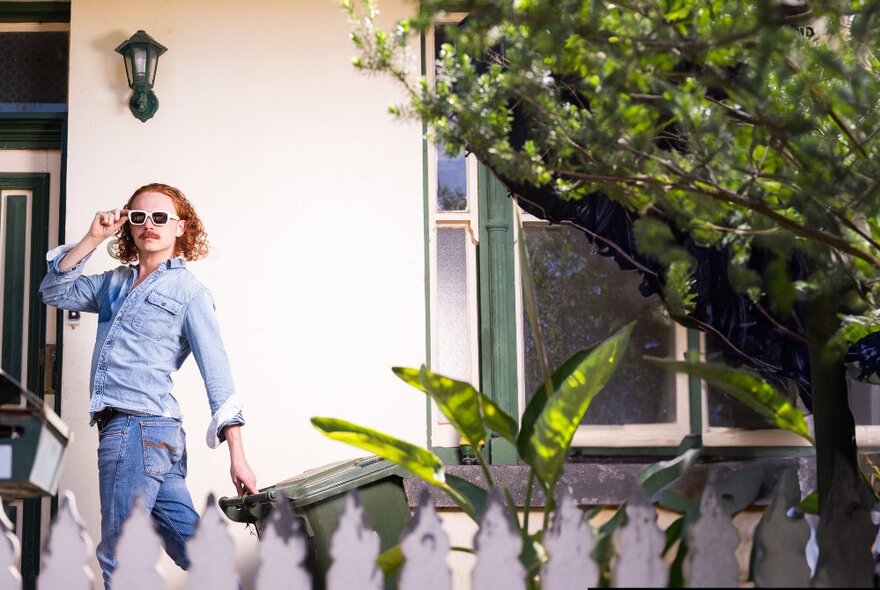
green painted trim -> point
(503, 452)
(30, 544)
(695, 385)
(15, 247)
(426, 234)
(62, 219)
(31, 130)
(37, 311)
(581, 453)
(38, 184)
(497, 289)
(34, 12)
(449, 455)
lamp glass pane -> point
(153, 62)
(140, 63)
(129, 71)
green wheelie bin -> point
(317, 496)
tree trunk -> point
(834, 425)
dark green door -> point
(24, 354)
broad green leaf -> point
(476, 495)
(673, 534)
(675, 501)
(532, 554)
(603, 551)
(548, 444)
(410, 376)
(539, 400)
(497, 420)
(676, 568)
(810, 503)
(457, 400)
(748, 388)
(390, 560)
(468, 410)
(657, 476)
(418, 461)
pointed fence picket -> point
(425, 546)
(639, 546)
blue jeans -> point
(144, 456)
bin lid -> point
(334, 479)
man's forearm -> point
(234, 441)
(76, 254)
(243, 477)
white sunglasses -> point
(139, 217)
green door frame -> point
(38, 183)
(37, 127)
(497, 288)
(37, 131)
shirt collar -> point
(168, 264)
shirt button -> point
(119, 318)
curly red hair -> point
(192, 245)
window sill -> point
(611, 480)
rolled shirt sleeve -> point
(69, 289)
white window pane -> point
(451, 181)
(583, 298)
(453, 349)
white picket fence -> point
(638, 545)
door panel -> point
(29, 211)
(15, 255)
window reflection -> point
(723, 409)
(451, 181)
(582, 299)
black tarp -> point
(747, 332)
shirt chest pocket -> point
(157, 316)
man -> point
(152, 313)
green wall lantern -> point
(141, 54)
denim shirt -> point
(144, 335)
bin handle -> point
(367, 461)
(247, 501)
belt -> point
(103, 417)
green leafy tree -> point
(746, 124)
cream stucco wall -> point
(312, 197)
